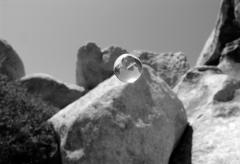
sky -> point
(48, 33)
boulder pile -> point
(172, 114)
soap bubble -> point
(127, 68)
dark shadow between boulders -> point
(182, 154)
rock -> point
(232, 51)
(211, 100)
(10, 63)
(94, 65)
(169, 66)
(122, 123)
(88, 71)
(226, 30)
(230, 59)
(109, 56)
(26, 137)
(52, 91)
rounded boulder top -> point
(10, 62)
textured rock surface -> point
(50, 90)
(169, 66)
(109, 56)
(25, 136)
(230, 59)
(122, 123)
(211, 100)
(10, 63)
(94, 66)
(227, 29)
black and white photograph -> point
(119, 81)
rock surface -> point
(122, 123)
(230, 59)
(227, 30)
(110, 54)
(26, 137)
(10, 63)
(169, 66)
(94, 66)
(52, 91)
(211, 100)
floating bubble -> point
(127, 68)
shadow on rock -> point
(182, 154)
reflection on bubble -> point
(127, 68)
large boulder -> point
(52, 91)
(26, 137)
(211, 100)
(94, 66)
(10, 63)
(122, 123)
(226, 30)
(169, 66)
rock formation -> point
(10, 63)
(122, 123)
(211, 100)
(140, 123)
(95, 66)
(210, 95)
(52, 91)
(25, 137)
(169, 66)
(227, 30)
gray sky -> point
(48, 33)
